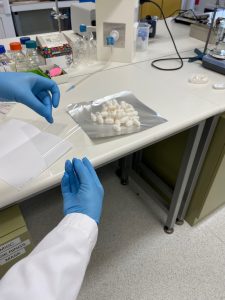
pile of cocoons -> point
(117, 114)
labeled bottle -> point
(83, 50)
(32, 55)
(88, 49)
(92, 48)
(6, 64)
(18, 57)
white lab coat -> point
(55, 269)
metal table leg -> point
(125, 165)
(192, 147)
(137, 159)
(207, 135)
(197, 145)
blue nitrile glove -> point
(35, 91)
(81, 189)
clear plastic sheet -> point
(27, 151)
(5, 107)
(81, 114)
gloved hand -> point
(35, 91)
(81, 189)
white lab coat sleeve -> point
(55, 269)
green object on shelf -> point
(39, 72)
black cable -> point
(182, 12)
(191, 10)
(178, 54)
(177, 10)
(153, 63)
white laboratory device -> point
(119, 16)
(82, 13)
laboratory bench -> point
(184, 105)
(160, 46)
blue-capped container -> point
(23, 41)
(32, 56)
(143, 36)
(6, 65)
(2, 49)
(31, 44)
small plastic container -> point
(18, 57)
(152, 21)
(143, 36)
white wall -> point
(2, 32)
(203, 3)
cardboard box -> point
(55, 49)
(64, 78)
(62, 61)
(15, 242)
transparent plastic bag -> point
(81, 114)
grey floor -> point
(134, 258)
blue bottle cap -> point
(110, 40)
(2, 49)
(82, 1)
(31, 44)
(83, 28)
(24, 39)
